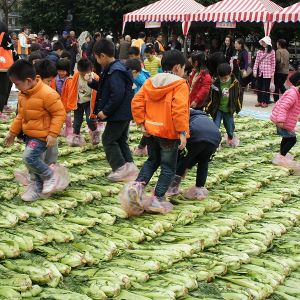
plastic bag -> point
(95, 137)
(195, 193)
(158, 207)
(272, 87)
(22, 177)
(75, 140)
(63, 175)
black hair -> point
(35, 47)
(230, 38)
(58, 46)
(104, 46)
(134, 64)
(149, 49)
(199, 57)
(34, 56)
(84, 65)
(224, 70)
(213, 61)
(142, 35)
(45, 68)
(21, 70)
(172, 58)
(24, 28)
(188, 68)
(64, 64)
(295, 79)
(241, 42)
(46, 36)
(3, 27)
(134, 51)
(97, 34)
(282, 43)
(66, 54)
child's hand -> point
(89, 77)
(51, 141)
(101, 115)
(182, 141)
(9, 140)
(193, 104)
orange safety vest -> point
(161, 47)
(22, 50)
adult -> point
(23, 45)
(214, 46)
(87, 47)
(55, 55)
(73, 49)
(14, 40)
(140, 43)
(213, 61)
(46, 45)
(5, 83)
(158, 45)
(228, 48)
(174, 44)
(97, 37)
(124, 48)
(282, 68)
(200, 81)
(263, 71)
(65, 40)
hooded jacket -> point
(64, 92)
(140, 80)
(162, 106)
(40, 113)
(235, 97)
(114, 92)
(53, 56)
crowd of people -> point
(168, 95)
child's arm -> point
(287, 101)
(138, 107)
(15, 128)
(203, 91)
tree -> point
(6, 6)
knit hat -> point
(267, 40)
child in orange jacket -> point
(40, 116)
(161, 108)
(81, 100)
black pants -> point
(287, 144)
(115, 143)
(143, 142)
(198, 153)
(279, 81)
(82, 109)
(5, 87)
(263, 85)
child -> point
(204, 140)
(285, 115)
(225, 100)
(46, 69)
(134, 53)
(40, 116)
(139, 77)
(81, 99)
(161, 108)
(61, 83)
(113, 105)
(152, 63)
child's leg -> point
(153, 161)
(287, 144)
(78, 118)
(92, 124)
(218, 118)
(123, 143)
(229, 124)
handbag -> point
(6, 56)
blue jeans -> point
(228, 122)
(163, 153)
(33, 159)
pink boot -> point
(196, 193)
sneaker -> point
(159, 205)
(50, 185)
(140, 151)
(120, 174)
(196, 193)
(95, 135)
(32, 193)
(258, 104)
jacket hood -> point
(117, 65)
(194, 112)
(142, 77)
(162, 84)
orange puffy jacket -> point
(40, 112)
(64, 91)
(73, 95)
(162, 106)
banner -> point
(226, 25)
(152, 24)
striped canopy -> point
(288, 14)
(237, 11)
(165, 11)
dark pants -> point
(143, 142)
(5, 87)
(279, 81)
(263, 85)
(115, 143)
(228, 122)
(82, 109)
(163, 153)
(287, 143)
(198, 153)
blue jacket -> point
(140, 79)
(53, 56)
(114, 92)
(203, 129)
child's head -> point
(224, 72)
(66, 54)
(173, 61)
(63, 67)
(84, 66)
(46, 69)
(134, 52)
(198, 60)
(149, 52)
(104, 51)
(135, 66)
(188, 69)
(23, 75)
(142, 35)
(35, 56)
(58, 47)
(295, 79)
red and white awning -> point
(237, 11)
(165, 11)
(288, 14)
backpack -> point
(6, 56)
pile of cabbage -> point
(243, 242)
